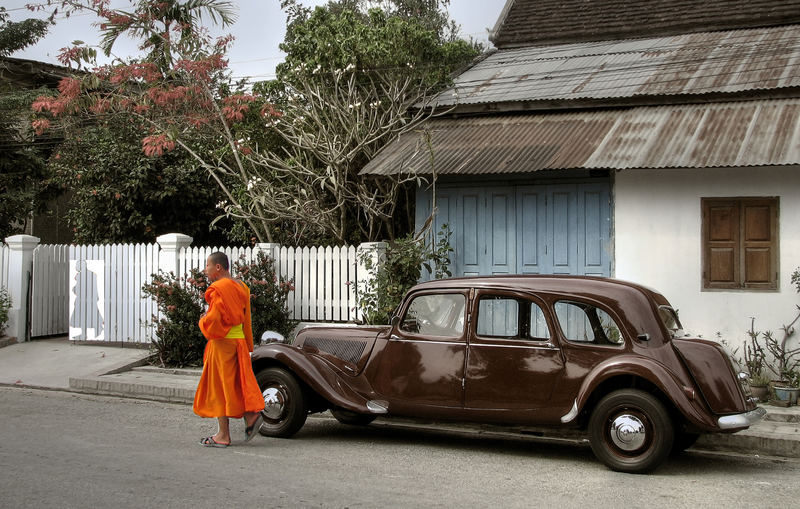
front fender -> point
(684, 397)
(313, 371)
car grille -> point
(349, 351)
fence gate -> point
(49, 293)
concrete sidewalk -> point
(61, 365)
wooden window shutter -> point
(740, 243)
(759, 243)
(721, 244)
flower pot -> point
(787, 394)
(760, 392)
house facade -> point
(655, 141)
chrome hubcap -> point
(628, 432)
(274, 402)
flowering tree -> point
(179, 89)
(334, 112)
(354, 79)
(24, 183)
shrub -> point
(5, 305)
(268, 295)
(179, 342)
(401, 269)
(181, 302)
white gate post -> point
(374, 251)
(169, 254)
(20, 265)
(271, 249)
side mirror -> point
(643, 337)
(395, 320)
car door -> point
(513, 362)
(422, 363)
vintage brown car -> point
(597, 354)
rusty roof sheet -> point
(699, 63)
(746, 133)
(526, 22)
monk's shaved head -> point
(219, 258)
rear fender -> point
(704, 359)
(314, 372)
(683, 397)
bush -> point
(392, 277)
(5, 305)
(179, 342)
(181, 302)
(268, 296)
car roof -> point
(598, 287)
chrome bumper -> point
(742, 420)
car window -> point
(435, 315)
(498, 317)
(670, 320)
(502, 317)
(586, 323)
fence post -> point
(20, 264)
(271, 249)
(374, 251)
(169, 254)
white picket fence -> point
(94, 293)
(324, 277)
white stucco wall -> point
(657, 242)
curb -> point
(121, 381)
(746, 442)
(128, 389)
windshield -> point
(670, 320)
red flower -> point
(156, 145)
(40, 125)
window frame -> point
(618, 323)
(740, 245)
(419, 336)
(521, 340)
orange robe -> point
(227, 387)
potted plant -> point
(755, 361)
(789, 388)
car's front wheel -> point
(631, 431)
(285, 405)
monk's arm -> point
(247, 325)
(211, 323)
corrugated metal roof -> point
(747, 133)
(526, 22)
(700, 63)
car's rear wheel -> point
(631, 431)
(352, 418)
(285, 403)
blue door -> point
(533, 229)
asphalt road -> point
(69, 450)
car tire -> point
(286, 407)
(631, 431)
(351, 418)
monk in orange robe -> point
(227, 387)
